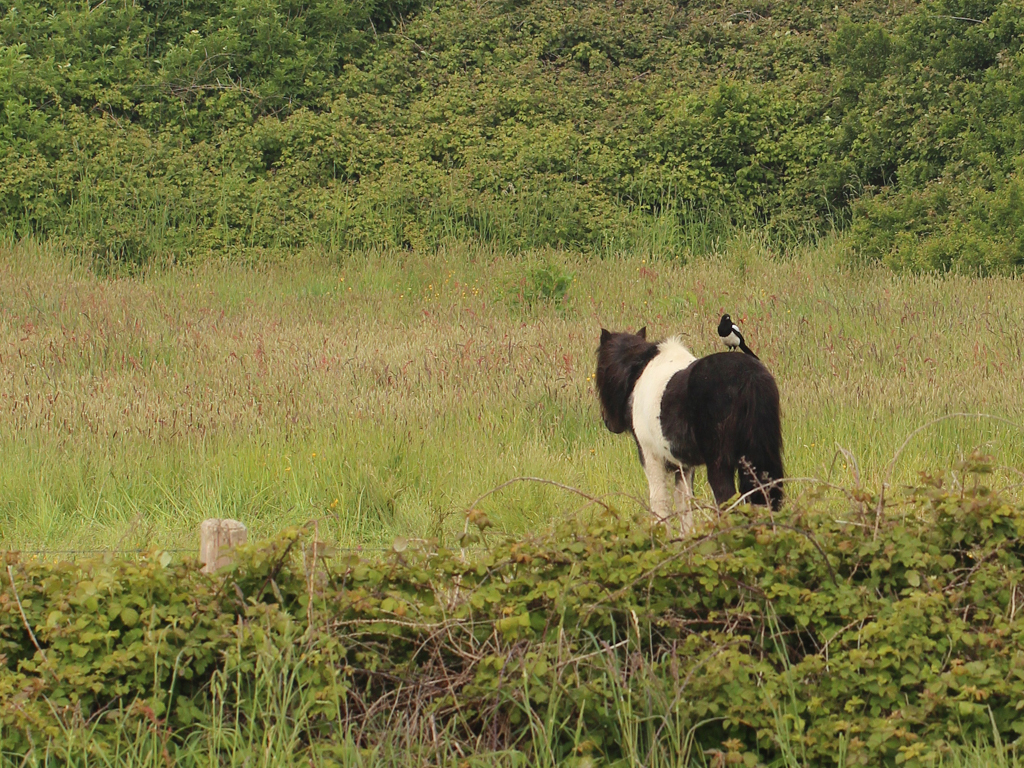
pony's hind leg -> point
(763, 490)
(683, 497)
(721, 478)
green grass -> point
(380, 394)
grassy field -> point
(381, 394)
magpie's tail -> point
(747, 349)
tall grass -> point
(380, 393)
(262, 705)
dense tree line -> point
(145, 131)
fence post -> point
(217, 538)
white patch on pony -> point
(645, 407)
(672, 357)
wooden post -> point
(216, 540)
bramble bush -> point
(879, 636)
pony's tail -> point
(759, 440)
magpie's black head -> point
(725, 326)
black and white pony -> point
(721, 411)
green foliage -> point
(932, 128)
(894, 632)
(143, 133)
(545, 282)
(944, 227)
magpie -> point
(730, 333)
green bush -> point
(891, 630)
(141, 134)
(944, 227)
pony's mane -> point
(621, 359)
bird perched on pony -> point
(730, 333)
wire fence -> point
(139, 552)
(336, 550)
(589, 500)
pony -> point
(721, 411)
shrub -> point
(895, 631)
